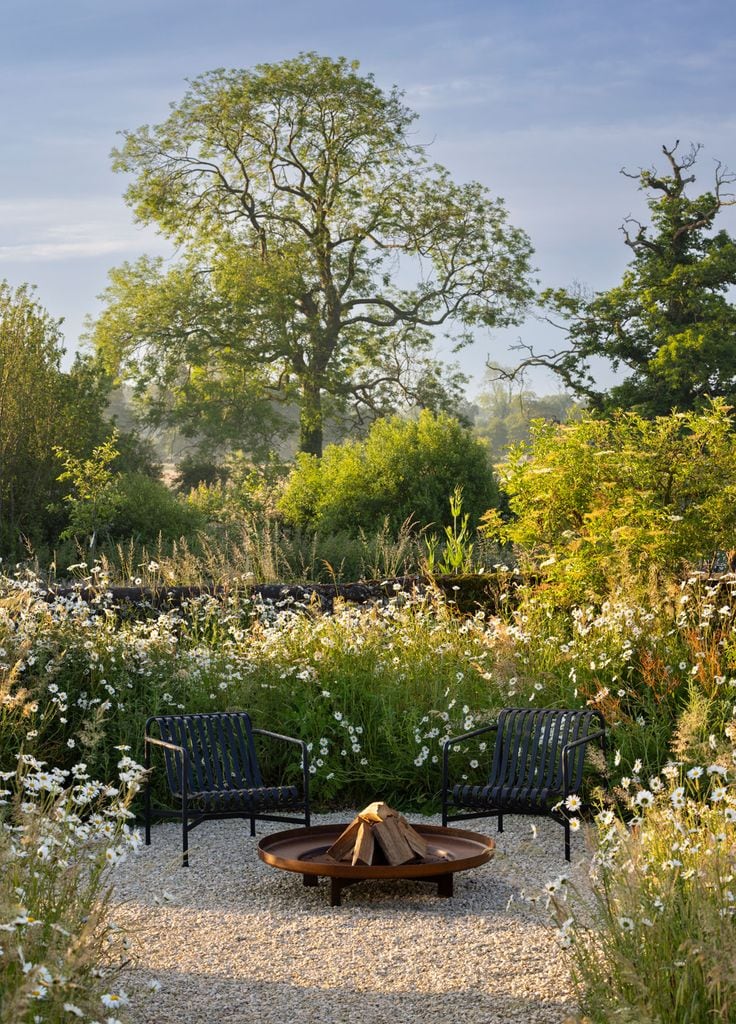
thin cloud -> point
(31, 251)
(52, 229)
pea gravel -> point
(231, 939)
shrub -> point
(600, 500)
(147, 509)
(403, 469)
(241, 492)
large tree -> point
(41, 405)
(670, 325)
(320, 251)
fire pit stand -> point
(304, 850)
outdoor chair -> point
(213, 771)
(536, 763)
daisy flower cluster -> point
(664, 897)
(61, 832)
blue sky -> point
(543, 102)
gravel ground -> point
(235, 940)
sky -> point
(543, 101)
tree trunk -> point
(310, 419)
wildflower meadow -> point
(375, 690)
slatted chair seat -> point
(511, 797)
(536, 764)
(271, 797)
(213, 771)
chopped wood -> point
(418, 843)
(395, 847)
(379, 835)
(345, 842)
(365, 844)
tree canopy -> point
(670, 324)
(42, 406)
(320, 251)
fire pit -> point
(305, 851)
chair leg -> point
(147, 796)
(567, 840)
(252, 826)
(147, 813)
(184, 843)
(184, 830)
(500, 822)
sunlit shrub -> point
(148, 509)
(600, 501)
(403, 469)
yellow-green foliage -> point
(404, 468)
(600, 499)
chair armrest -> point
(570, 746)
(583, 739)
(163, 743)
(184, 772)
(305, 756)
(147, 738)
(279, 736)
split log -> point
(379, 835)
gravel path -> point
(237, 941)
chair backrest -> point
(221, 751)
(528, 751)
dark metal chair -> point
(537, 763)
(213, 771)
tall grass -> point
(255, 549)
(61, 833)
(375, 690)
(660, 945)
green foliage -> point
(599, 501)
(670, 323)
(298, 198)
(147, 509)
(404, 469)
(39, 406)
(239, 490)
(42, 408)
(95, 497)
(457, 554)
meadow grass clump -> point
(374, 689)
(659, 945)
(61, 833)
(660, 667)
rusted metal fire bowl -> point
(304, 850)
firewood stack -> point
(379, 835)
